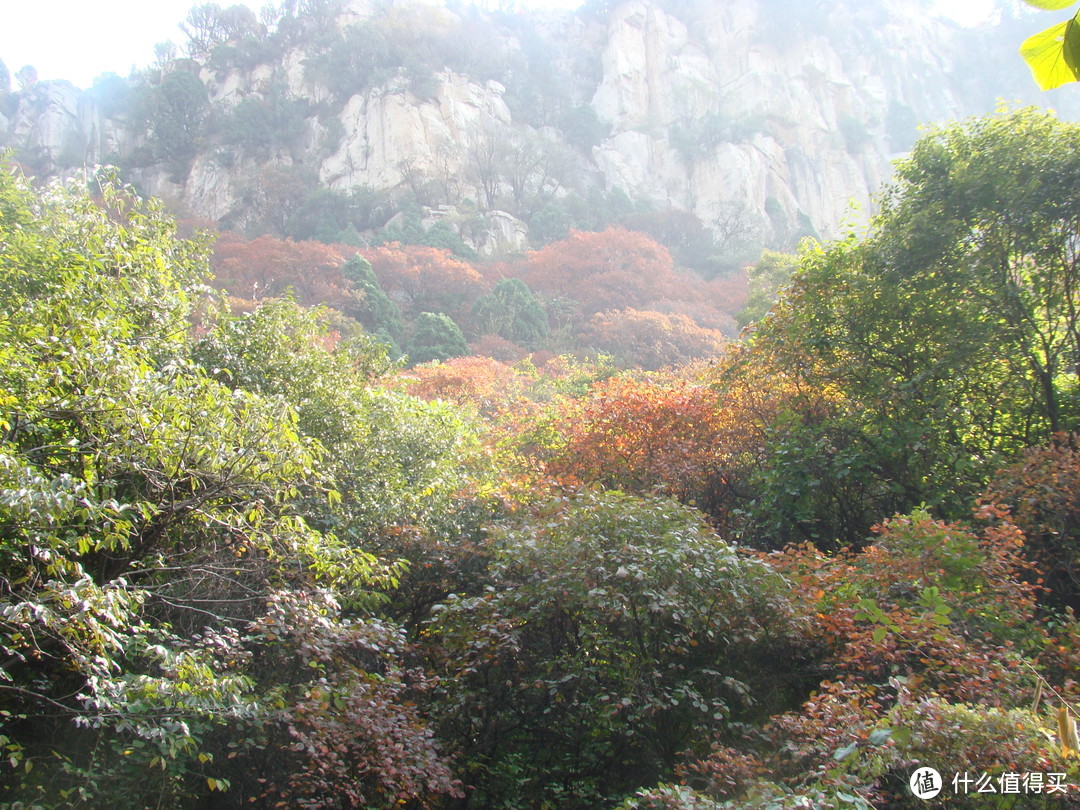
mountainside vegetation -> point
(621, 165)
(369, 121)
(249, 559)
(494, 484)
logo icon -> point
(925, 783)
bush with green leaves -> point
(946, 337)
(669, 797)
(766, 278)
(373, 307)
(272, 120)
(158, 510)
(334, 216)
(392, 459)
(435, 336)
(511, 311)
(617, 633)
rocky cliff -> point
(761, 115)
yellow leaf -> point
(1050, 5)
(1067, 732)
(1054, 55)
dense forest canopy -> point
(323, 503)
(248, 559)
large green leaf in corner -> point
(1054, 54)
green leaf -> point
(880, 736)
(840, 754)
(901, 736)
(1050, 5)
(1054, 55)
(879, 634)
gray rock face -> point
(795, 122)
(55, 126)
(389, 128)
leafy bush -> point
(1041, 490)
(435, 336)
(372, 307)
(172, 621)
(511, 311)
(617, 633)
(327, 215)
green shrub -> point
(618, 632)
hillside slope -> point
(765, 119)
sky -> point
(81, 39)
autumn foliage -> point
(269, 267)
(425, 279)
(1041, 490)
(617, 292)
(608, 270)
(641, 435)
(922, 636)
(651, 340)
(480, 381)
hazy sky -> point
(81, 39)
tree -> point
(651, 340)
(511, 311)
(328, 215)
(641, 436)
(1054, 54)
(275, 193)
(268, 267)
(613, 269)
(488, 154)
(1009, 245)
(395, 461)
(272, 120)
(171, 617)
(615, 634)
(952, 330)
(371, 306)
(425, 278)
(208, 25)
(766, 278)
(136, 477)
(681, 232)
(534, 168)
(435, 336)
(175, 113)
